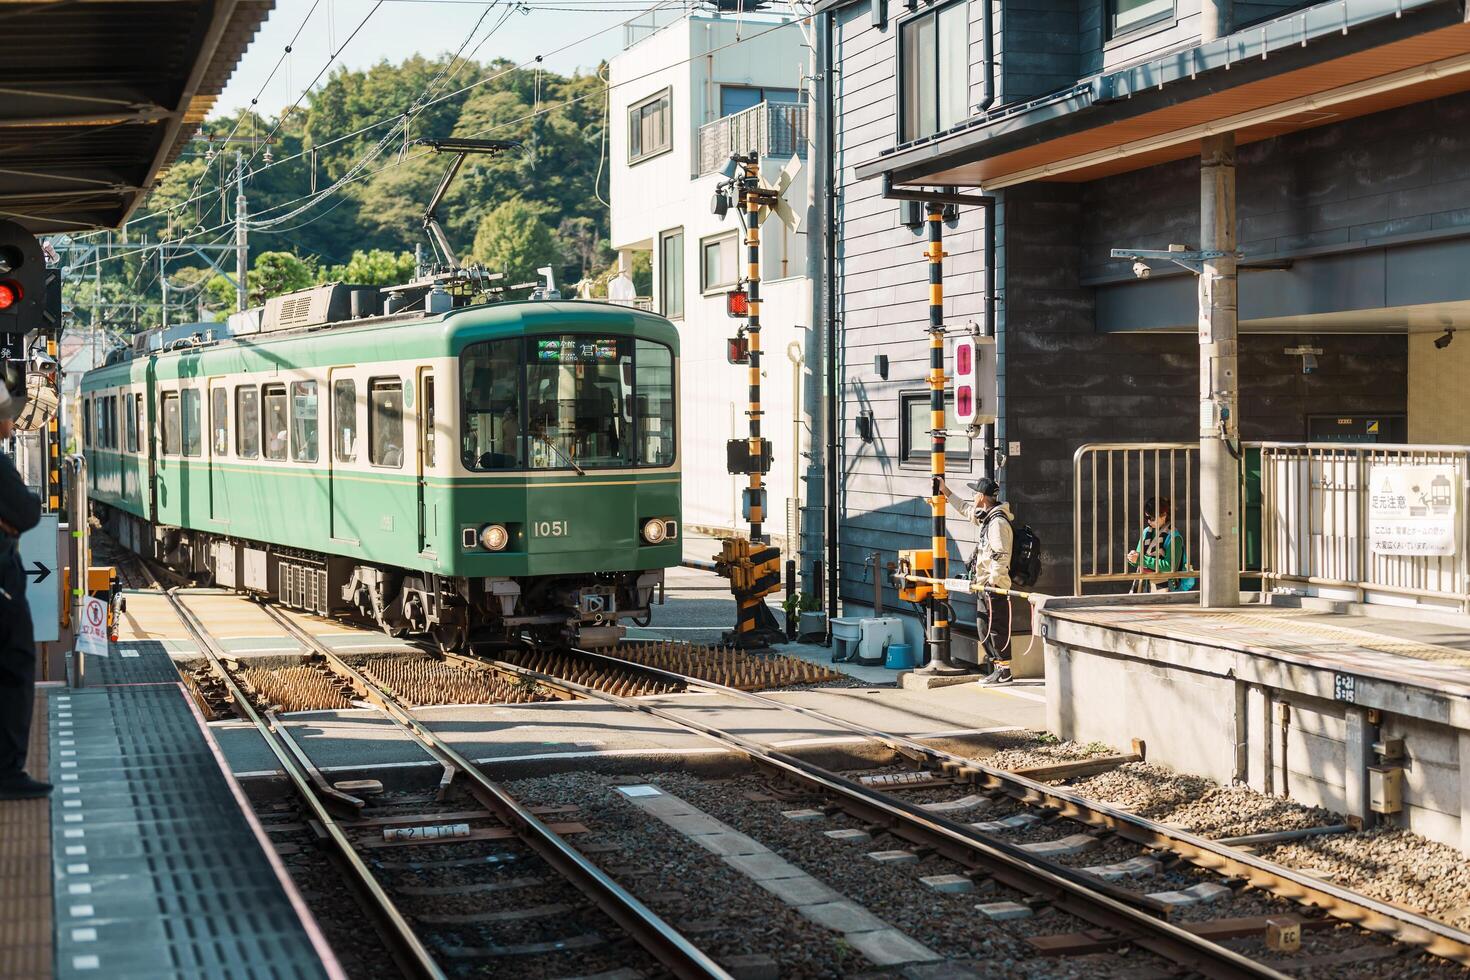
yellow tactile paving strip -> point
(25, 872)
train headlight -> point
(494, 537)
(654, 531)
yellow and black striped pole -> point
(938, 602)
(752, 205)
(53, 447)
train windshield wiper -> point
(560, 452)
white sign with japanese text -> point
(92, 627)
(1411, 509)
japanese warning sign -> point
(92, 627)
(1411, 509)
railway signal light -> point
(737, 350)
(973, 380)
(26, 295)
(737, 303)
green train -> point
(481, 471)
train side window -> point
(193, 423)
(173, 439)
(247, 422)
(219, 421)
(87, 423)
(426, 395)
(130, 422)
(344, 411)
(303, 421)
(385, 422)
(275, 421)
(144, 440)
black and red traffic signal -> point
(23, 286)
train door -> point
(346, 446)
(219, 448)
(426, 455)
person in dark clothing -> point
(20, 510)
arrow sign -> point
(40, 571)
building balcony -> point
(774, 129)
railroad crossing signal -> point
(23, 289)
(973, 382)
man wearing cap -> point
(991, 567)
(20, 510)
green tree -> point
(513, 239)
(279, 272)
(376, 267)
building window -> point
(738, 98)
(276, 422)
(1128, 15)
(719, 262)
(671, 273)
(934, 68)
(344, 407)
(385, 422)
(650, 129)
(172, 428)
(913, 431)
(247, 422)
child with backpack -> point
(991, 567)
(1161, 549)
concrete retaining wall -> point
(1281, 727)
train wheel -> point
(449, 637)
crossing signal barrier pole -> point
(754, 566)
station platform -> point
(1293, 696)
(146, 861)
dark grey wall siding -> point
(1394, 173)
(1063, 383)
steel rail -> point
(411, 954)
(663, 941)
(1360, 910)
(1075, 892)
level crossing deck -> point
(146, 858)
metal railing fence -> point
(775, 129)
(1316, 521)
(1304, 516)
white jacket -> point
(993, 550)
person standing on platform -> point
(991, 568)
(20, 510)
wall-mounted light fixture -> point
(880, 366)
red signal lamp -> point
(737, 303)
(10, 294)
(737, 350)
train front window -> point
(489, 382)
(579, 402)
(566, 402)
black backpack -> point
(1025, 568)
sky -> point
(395, 29)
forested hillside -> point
(535, 206)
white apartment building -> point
(682, 97)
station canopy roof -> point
(97, 98)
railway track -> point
(1128, 914)
(1118, 913)
(405, 937)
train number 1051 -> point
(551, 529)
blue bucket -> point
(900, 657)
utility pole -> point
(1219, 433)
(812, 516)
(242, 247)
(163, 280)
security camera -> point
(1442, 342)
(1141, 269)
